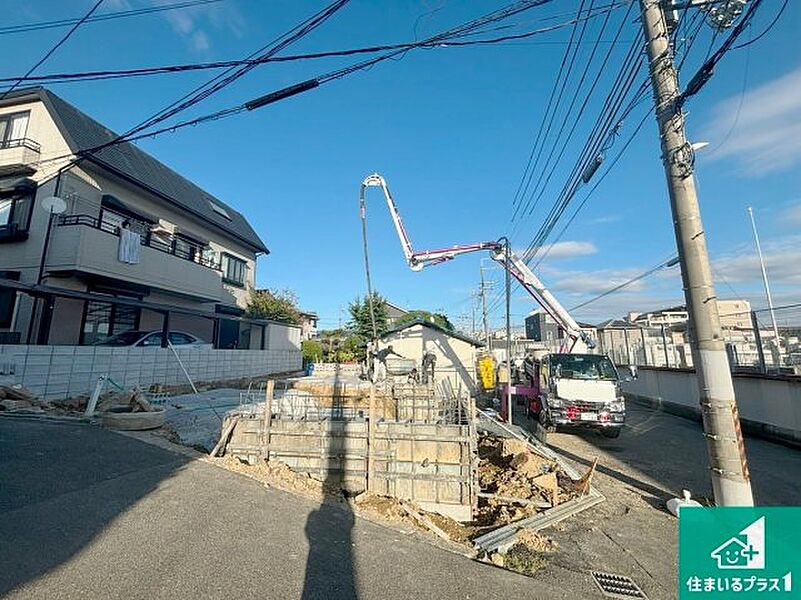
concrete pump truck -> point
(570, 388)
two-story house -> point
(131, 244)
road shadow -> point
(330, 572)
(648, 449)
(61, 485)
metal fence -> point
(753, 344)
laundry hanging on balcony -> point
(130, 244)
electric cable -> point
(28, 27)
(463, 29)
(55, 78)
(667, 263)
(569, 59)
(522, 187)
(53, 49)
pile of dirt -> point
(521, 482)
(384, 507)
(458, 532)
(278, 475)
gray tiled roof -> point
(435, 327)
(126, 159)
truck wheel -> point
(611, 433)
(545, 422)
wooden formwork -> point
(431, 464)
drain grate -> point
(617, 586)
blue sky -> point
(450, 129)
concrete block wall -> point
(770, 406)
(57, 372)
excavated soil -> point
(382, 506)
(278, 475)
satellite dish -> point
(54, 205)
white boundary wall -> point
(770, 406)
(56, 372)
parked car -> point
(152, 339)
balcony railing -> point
(21, 143)
(169, 244)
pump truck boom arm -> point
(578, 340)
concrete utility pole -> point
(487, 338)
(765, 279)
(730, 479)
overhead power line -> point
(665, 264)
(229, 76)
(765, 31)
(704, 74)
(550, 113)
(58, 45)
(205, 90)
(599, 71)
(28, 27)
(468, 28)
(54, 78)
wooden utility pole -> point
(729, 469)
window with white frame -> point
(13, 128)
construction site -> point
(401, 452)
(226, 370)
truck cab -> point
(578, 391)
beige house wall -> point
(456, 359)
(81, 249)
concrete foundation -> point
(417, 448)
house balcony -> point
(18, 152)
(86, 244)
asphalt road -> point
(87, 513)
(656, 456)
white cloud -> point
(200, 41)
(604, 219)
(782, 262)
(762, 130)
(194, 24)
(736, 274)
(792, 216)
(566, 249)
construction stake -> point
(224, 436)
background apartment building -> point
(192, 260)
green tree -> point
(312, 351)
(341, 345)
(361, 323)
(437, 318)
(276, 305)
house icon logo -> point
(746, 550)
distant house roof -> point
(82, 132)
(616, 324)
(679, 308)
(435, 327)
